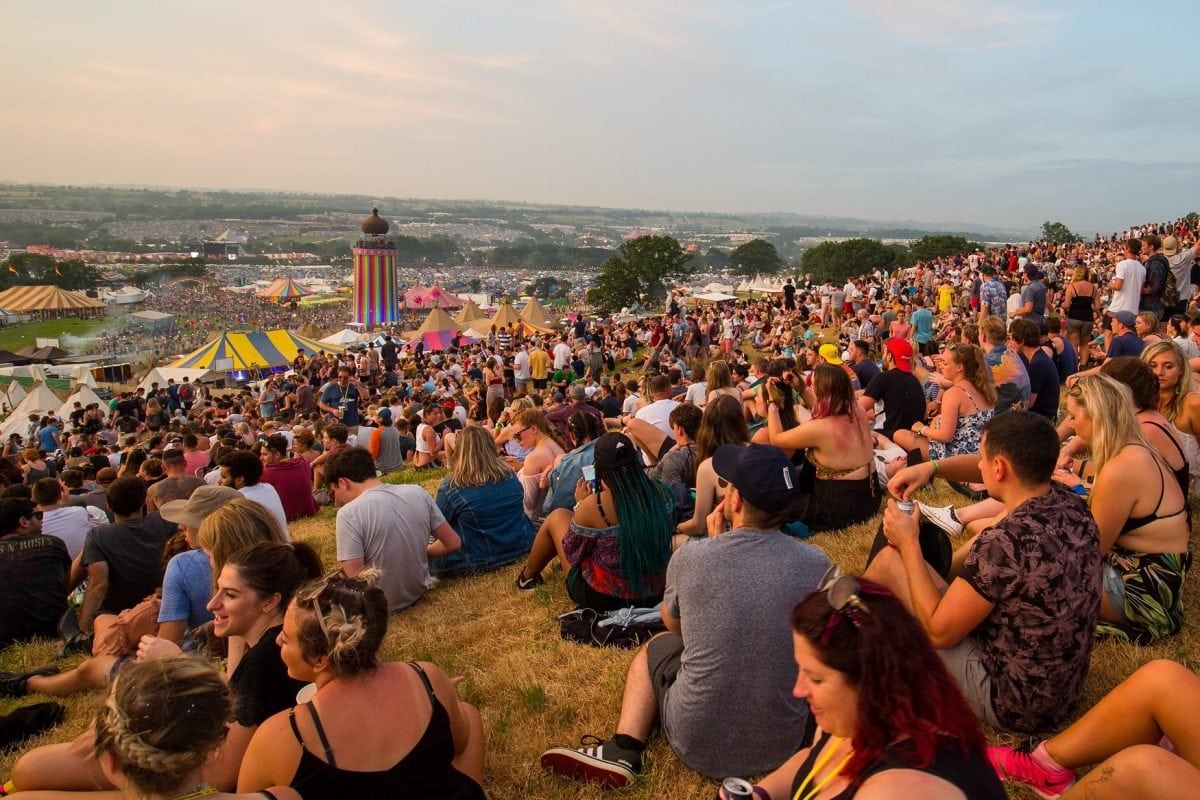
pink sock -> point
(1045, 759)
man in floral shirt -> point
(993, 297)
(1015, 626)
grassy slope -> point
(14, 337)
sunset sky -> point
(1004, 113)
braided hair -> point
(162, 720)
(343, 620)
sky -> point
(983, 111)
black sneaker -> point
(525, 584)
(14, 685)
(596, 761)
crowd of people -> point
(668, 471)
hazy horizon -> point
(996, 114)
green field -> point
(14, 337)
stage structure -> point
(375, 274)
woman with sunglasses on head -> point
(840, 488)
(253, 590)
(616, 543)
(966, 406)
(373, 729)
(891, 721)
(1179, 399)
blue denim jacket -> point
(563, 478)
(492, 523)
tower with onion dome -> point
(375, 274)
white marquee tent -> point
(85, 397)
(40, 400)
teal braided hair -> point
(644, 515)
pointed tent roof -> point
(284, 289)
(85, 396)
(471, 313)
(40, 400)
(441, 298)
(417, 296)
(16, 393)
(251, 350)
(438, 320)
(22, 299)
(536, 315)
(507, 315)
(343, 337)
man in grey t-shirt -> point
(721, 680)
(387, 527)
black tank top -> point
(972, 775)
(426, 773)
(1080, 307)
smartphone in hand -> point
(589, 475)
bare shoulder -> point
(894, 783)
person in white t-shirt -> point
(658, 411)
(521, 368)
(562, 355)
(68, 523)
(385, 526)
(241, 470)
(1128, 277)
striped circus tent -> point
(230, 351)
(48, 300)
(284, 289)
(430, 297)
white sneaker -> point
(944, 517)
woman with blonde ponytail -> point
(372, 729)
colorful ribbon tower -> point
(375, 289)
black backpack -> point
(583, 627)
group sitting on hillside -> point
(672, 502)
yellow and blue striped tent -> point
(230, 351)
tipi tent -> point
(507, 315)
(85, 397)
(472, 313)
(438, 320)
(16, 393)
(40, 400)
(536, 316)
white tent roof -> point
(35, 371)
(16, 393)
(471, 333)
(40, 400)
(717, 287)
(160, 375)
(343, 337)
(714, 297)
(85, 396)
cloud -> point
(959, 24)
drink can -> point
(736, 789)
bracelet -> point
(935, 468)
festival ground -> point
(536, 691)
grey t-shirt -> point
(389, 528)
(731, 711)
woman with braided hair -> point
(253, 590)
(160, 724)
(373, 729)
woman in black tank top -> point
(883, 702)
(372, 729)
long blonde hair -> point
(235, 526)
(531, 417)
(1183, 387)
(474, 462)
(718, 376)
(975, 369)
(1109, 405)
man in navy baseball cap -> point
(764, 477)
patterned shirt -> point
(994, 298)
(1040, 566)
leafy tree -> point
(36, 269)
(1058, 233)
(474, 284)
(938, 245)
(755, 257)
(547, 288)
(716, 257)
(837, 261)
(640, 273)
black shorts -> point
(664, 654)
(539, 383)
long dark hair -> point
(643, 510)
(904, 689)
(274, 568)
(724, 422)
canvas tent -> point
(9, 357)
(84, 396)
(437, 321)
(284, 289)
(40, 400)
(472, 313)
(48, 301)
(536, 316)
(161, 375)
(153, 321)
(343, 337)
(43, 354)
(230, 351)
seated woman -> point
(839, 452)
(966, 406)
(536, 433)
(616, 544)
(482, 499)
(252, 592)
(1179, 400)
(723, 423)
(718, 381)
(373, 729)
(1140, 511)
(161, 724)
(1124, 740)
(891, 722)
(559, 482)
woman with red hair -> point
(891, 722)
(837, 478)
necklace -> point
(203, 791)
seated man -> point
(242, 470)
(386, 526)
(33, 574)
(291, 478)
(1015, 626)
(720, 683)
(177, 485)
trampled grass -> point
(536, 691)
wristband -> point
(935, 468)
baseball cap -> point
(763, 475)
(902, 353)
(1126, 318)
(204, 501)
(615, 450)
(1170, 246)
(385, 415)
(830, 353)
